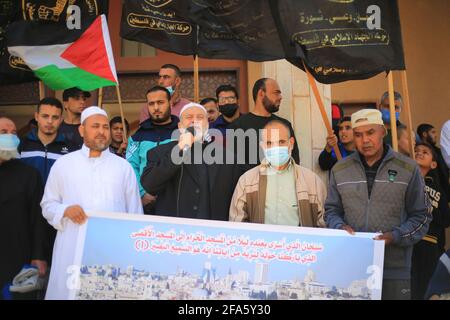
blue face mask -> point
(386, 115)
(9, 142)
(171, 90)
(277, 156)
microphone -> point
(191, 130)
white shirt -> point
(445, 142)
(106, 183)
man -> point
(118, 146)
(152, 132)
(379, 190)
(427, 133)
(169, 78)
(228, 99)
(74, 101)
(327, 158)
(22, 228)
(211, 107)
(384, 108)
(44, 145)
(403, 138)
(90, 179)
(445, 142)
(267, 98)
(278, 191)
(189, 176)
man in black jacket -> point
(23, 237)
(44, 145)
(191, 177)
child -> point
(426, 252)
(118, 146)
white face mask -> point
(277, 156)
(9, 142)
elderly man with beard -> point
(267, 97)
(152, 132)
(193, 177)
(23, 237)
(90, 179)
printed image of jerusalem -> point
(109, 282)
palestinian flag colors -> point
(64, 58)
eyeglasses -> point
(227, 99)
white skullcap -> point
(92, 111)
(366, 117)
(192, 105)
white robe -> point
(106, 184)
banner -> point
(124, 256)
(162, 24)
(338, 40)
(341, 40)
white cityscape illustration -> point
(109, 282)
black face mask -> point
(228, 110)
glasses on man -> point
(223, 100)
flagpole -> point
(41, 90)
(196, 80)
(392, 111)
(100, 97)
(313, 85)
(407, 106)
(125, 133)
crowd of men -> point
(208, 161)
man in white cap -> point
(190, 177)
(379, 190)
(90, 179)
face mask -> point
(9, 142)
(228, 110)
(171, 90)
(386, 115)
(277, 156)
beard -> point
(98, 145)
(161, 118)
(430, 141)
(6, 155)
(269, 105)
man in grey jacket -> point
(379, 190)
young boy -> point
(327, 158)
(118, 146)
(426, 252)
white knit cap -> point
(92, 111)
(192, 105)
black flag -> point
(12, 69)
(242, 30)
(341, 40)
(338, 40)
(163, 24)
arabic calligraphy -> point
(223, 246)
(316, 39)
(154, 23)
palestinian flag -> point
(64, 58)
